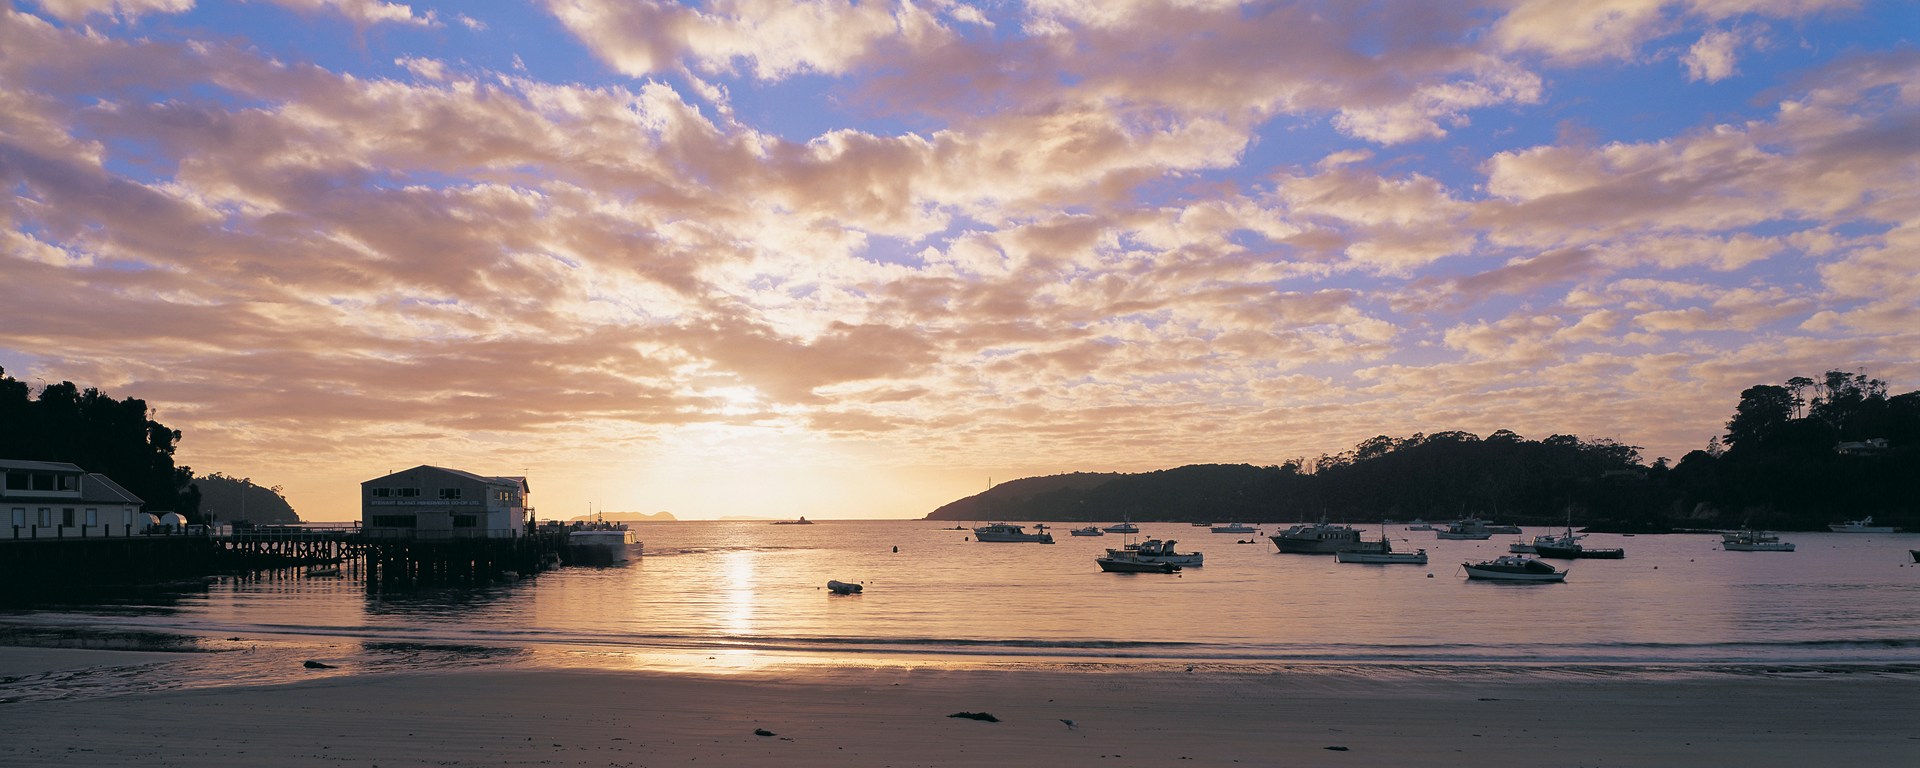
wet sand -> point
(503, 716)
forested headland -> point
(1795, 456)
(120, 439)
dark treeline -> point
(116, 438)
(1781, 469)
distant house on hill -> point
(54, 500)
(1867, 447)
(429, 502)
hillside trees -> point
(117, 438)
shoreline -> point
(899, 716)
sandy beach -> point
(899, 717)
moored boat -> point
(1574, 550)
(1157, 551)
(802, 521)
(1756, 541)
(603, 543)
(1005, 532)
(1380, 553)
(1420, 525)
(1513, 568)
(1321, 538)
(1125, 526)
(1863, 525)
(1470, 529)
(1125, 561)
(1091, 530)
(1234, 528)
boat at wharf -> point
(1234, 528)
(603, 543)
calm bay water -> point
(720, 596)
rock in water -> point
(762, 732)
(976, 716)
(311, 664)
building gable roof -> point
(519, 481)
(99, 487)
(39, 466)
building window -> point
(466, 521)
(407, 492)
(93, 516)
(46, 517)
(42, 481)
(66, 517)
(16, 481)
(19, 517)
(69, 482)
(393, 521)
(383, 492)
(449, 493)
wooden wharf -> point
(132, 558)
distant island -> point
(627, 517)
(1796, 456)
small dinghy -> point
(843, 588)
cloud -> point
(74, 11)
(774, 38)
(1712, 58)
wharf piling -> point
(407, 560)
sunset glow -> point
(836, 259)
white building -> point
(54, 499)
(429, 502)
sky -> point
(771, 258)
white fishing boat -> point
(1546, 539)
(1470, 529)
(1420, 525)
(1863, 525)
(1005, 532)
(1125, 561)
(1157, 551)
(1091, 530)
(602, 543)
(1124, 526)
(1756, 541)
(1321, 538)
(1235, 528)
(1733, 536)
(1513, 568)
(1380, 553)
